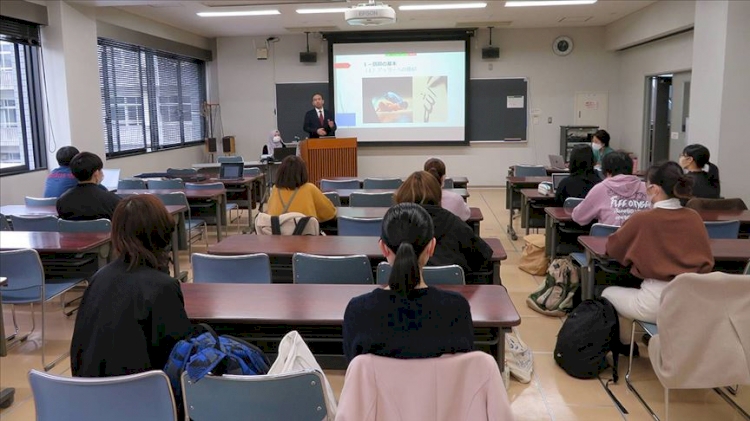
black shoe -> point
(646, 338)
(624, 349)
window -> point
(21, 117)
(150, 100)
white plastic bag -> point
(294, 355)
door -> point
(658, 107)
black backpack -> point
(588, 334)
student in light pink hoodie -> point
(617, 197)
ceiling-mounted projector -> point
(370, 14)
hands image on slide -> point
(432, 91)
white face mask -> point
(596, 146)
(277, 139)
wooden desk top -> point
(321, 304)
(348, 192)
(560, 215)
(327, 245)
(528, 180)
(369, 212)
(189, 193)
(533, 194)
(61, 242)
(21, 210)
(239, 181)
(722, 249)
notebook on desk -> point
(557, 162)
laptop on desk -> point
(557, 162)
(231, 170)
(556, 179)
(280, 153)
(111, 178)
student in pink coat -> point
(620, 195)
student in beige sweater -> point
(293, 192)
(658, 244)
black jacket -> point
(577, 186)
(86, 202)
(312, 123)
(705, 186)
(128, 322)
(456, 243)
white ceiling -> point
(182, 14)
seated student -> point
(456, 242)
(617, 197)
(600, 145)
(407, 318)
(61, 179)
(658, 244)
(293, 193)
(582, 177)
(87, 200)
(132, 313)
(274, 141)
(705, 175)
(451, 200)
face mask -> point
(277, 139)
(596, 146)
(683, 163)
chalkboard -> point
(489, 117)
(293, 100)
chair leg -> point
(666, 404)
(16, 329)
(627, 375)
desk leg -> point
(550, 230)
(587, 289)
(496, 274)
(175, 243)
(250, 205)
(509, 205)
(220, 213)
(526, 212)
(500, 349)
(475, 227)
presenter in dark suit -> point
(319, 121)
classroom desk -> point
(265, 313)
(178, 236)
(513, 195)
(57, 242)
(281, 248)
(217, 196)
(529, 198)
(245, 192)
(557, 217)
(345, 193)
(458, 182)
(369, 212)
(596, 251)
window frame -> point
(150, 111)
(33, 136)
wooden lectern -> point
(331, 157)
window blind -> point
(151, 100)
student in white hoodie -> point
(617, 197)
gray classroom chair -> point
(96, 225)
(448, 183)
(333, 197)
(142, 396)
(529, 171)
(242, 269)
(382, 183)
(40, 201)
(314, 269)
(230, 159)
(27, 285)
(166, 184)
(131, 184)
(378, 200)
(370, 227)
(297, 396)
(251, 172)
(433, 275)
(230, 206)
(47, 223)
(327, 185)
(723, 229)
(4, 225)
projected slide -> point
(411, 91)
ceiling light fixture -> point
(322, 10)
(238, 13)
(449, 6)
(524, 3)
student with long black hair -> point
(705, 175)
(582, 177)
(407, 318)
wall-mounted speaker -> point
(210, 145)
(308, 57)
(490, 53)
(227, 144)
